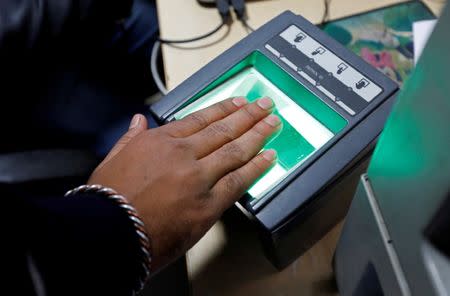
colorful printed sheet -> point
(383, 37)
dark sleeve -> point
(82, 245)
(30, 24)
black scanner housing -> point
(316, 196)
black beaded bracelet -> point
(142, 235)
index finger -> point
(199, 120)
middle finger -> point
(229, 128)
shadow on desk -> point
(240, 267)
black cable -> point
(223, 6)
(157, 48)
(326, 12)
(206, 35)
(247, 26)
(239, 8)
(241, 13)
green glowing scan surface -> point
(308, 124)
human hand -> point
(181, 177)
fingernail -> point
(239, 102)
(135, 121)
(265, 103)
(273, 120)
(269, 155)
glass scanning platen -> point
(308, 123)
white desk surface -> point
(229, 260)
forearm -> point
(85, 242)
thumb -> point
(137, 125)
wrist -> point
(138, 226)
